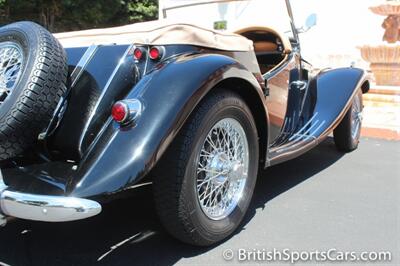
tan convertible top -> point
(157, 33)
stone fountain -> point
(385, 58)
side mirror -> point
(311, 21)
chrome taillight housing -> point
(126, 111)
(156, 52)
(138, 53)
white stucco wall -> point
(342, 24)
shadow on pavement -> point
(128, 232)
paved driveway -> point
(320, 201)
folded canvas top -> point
(157, 33)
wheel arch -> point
(257, 107)
(365, 86)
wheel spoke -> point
(11, 59)
(199, 170)
(208, 179)
(219, 184)
(356, 117)
(212, 144)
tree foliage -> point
(67, 15)
(142, 10)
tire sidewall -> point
(342, 133)
(29, 46)
(215, 230)
(353, 142)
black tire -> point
(342, 134)
(28, 108)
(174, 187)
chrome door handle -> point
(299, 84)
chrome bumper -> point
(43, 208)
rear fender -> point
(120, 157)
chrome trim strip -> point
(306, 134)
(289, 58)
(83, 62)
(298, 133)
(139, 185)
(146, 63)
(44, 208)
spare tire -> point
(33, 75)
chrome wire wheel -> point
(11, 60)
(222, 169)
(204, 184)
(356, 116)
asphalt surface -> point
(320, 201)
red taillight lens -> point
(120, 112)
(155, 53)
(138, 53)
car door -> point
(282, 85)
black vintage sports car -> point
(87, 115)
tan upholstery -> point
(264, 46)
(287, 47)
(157, 33)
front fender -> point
(335, 91)
(120, 157)
(329, 96)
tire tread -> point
(169, 177)
(35, 106)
